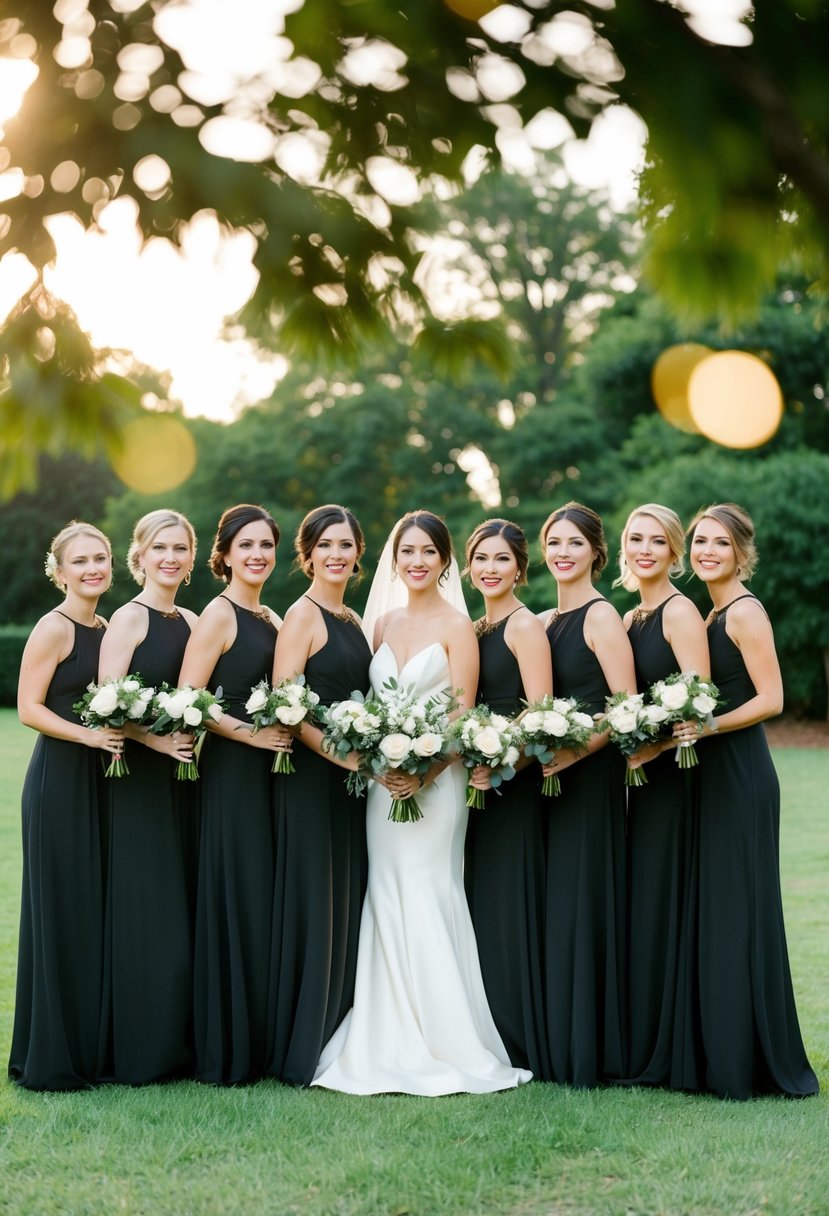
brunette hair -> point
(145, 532)
(588, 522)
(514, 539)
(671, 525)
(230, 524)
(54, 558)
(434, 527)
(312, 528)
(740, 527)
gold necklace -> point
(641, 614)
(483, 627)
(340, 614)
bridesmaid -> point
(667, 634)
(585, 963)
(231, 647)
(58, 1002)
(147, 1015)
(750, 1032)
(320, 830)
(505, 867)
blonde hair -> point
(59, 545)
(671, 525)
(740, 527)
(145, 532)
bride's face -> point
(418, 562)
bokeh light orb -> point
(670, 376)
(472, 10)
(735, 399)
(158, 454)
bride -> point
(420, 1023)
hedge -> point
(12, 640)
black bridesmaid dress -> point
(505, 876)
(235, 875)
(321, 870)
(751, 1036)
(664, 1046)
(585, 925)
(151, 821)
(58, 1001)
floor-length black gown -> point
(664, 1044)
(58, 1001)
(585, 927)
(505, 877)
(321, 869)
(235, 875)
(151, 824)
(751, 1036)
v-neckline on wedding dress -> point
(400, 670)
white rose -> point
(346, 709)
(512, 755)
(395, 748)
(674, 696)
(312, 698)
(130, 685)
(561, 705)
(704, 704)
(105, 701)
(293, 692)
(487, 741)
(364, 724)
(215, 711)
(499, 722)
(257, 700)
(427, 744)
(623, 721)
(581, 719)
(289, 715)
(533, 722)
(556, 725)
(654, 714)
(409, 725)
(176, 705)
(192, 716)
(138, 708)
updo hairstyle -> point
(740, 527)
(312, 527)
(233, 520)
(589, 523)
(514, 539)
(145, 532)
(57, 549)
(671, 525)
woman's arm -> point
(213, 635)
(605, 634)
(750, 630)
(49, 644)
(127, 630)
(684, 630)
(303, 634)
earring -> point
(187, 578)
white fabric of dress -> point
(420, 1023)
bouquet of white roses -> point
(188, 710)
(480, 736)
(551, 725)
(684, 696)
(631, 724)
(114, 702)
(286, 704)
(392, 730)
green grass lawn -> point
(542, 1150)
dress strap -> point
(97, 622)
(716, 613)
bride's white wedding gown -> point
(420, 1023)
